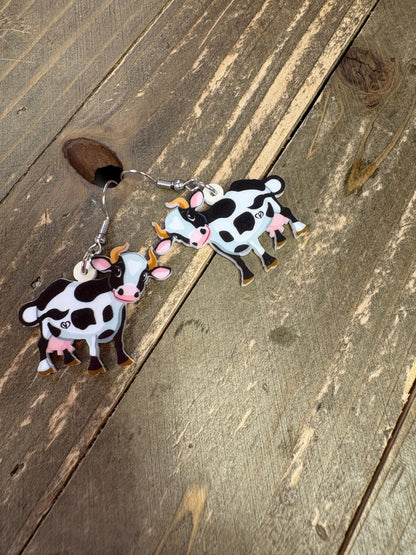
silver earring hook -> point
(177, 185)
(101, 238)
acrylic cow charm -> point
(93, 310)
(233, 225)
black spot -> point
(117, 273)
(54, 331)
(51, 292)
(181, 238)
(197, 219)
(55, 314)
(270, 211)
(105, 334)
(108, 313)
(227, 237)
(241, 248)
(87, 291)
(244, 222)
(144, 276)
(224, 208)
(83, 318)
(258, 202)
(247, 184)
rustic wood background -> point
(276, 418)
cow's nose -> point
(137, 295)
(203, 231)
(120, 291)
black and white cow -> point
(93, 310)
(233, 225)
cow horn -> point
(151, 263)
(180, 201)
(115, 253)
(163, 234)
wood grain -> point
(164, 108)
(53, 55)
(275, 400)
(389, 522)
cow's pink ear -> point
(101, 263)
(196, 200)
(164, 246)
(161, 272)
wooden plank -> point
(388, 525)
(192, 71)
(52, 57)
(259, 418)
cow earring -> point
(233, 222)
(91, 308)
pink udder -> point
(59, 345)
(277, 224)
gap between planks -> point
(346, 544)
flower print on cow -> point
(93, 310)
(232, 225)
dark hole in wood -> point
(17, 469)
(94, 161)
(109, 173)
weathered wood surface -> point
(390, 520)
(52, 56)
(203, 91)
(257, 422)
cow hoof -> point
(247, 281)
(127, 362)
(272, 265)
(47, 371)
(74, 362)
(95, 372)
(301, 232)
(298, 228)
(280, 244)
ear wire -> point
(101, 238)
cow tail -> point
(28, 314)
(276, 185)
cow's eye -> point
(191, 217)
(117, 271)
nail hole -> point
(94, 161)
(17, 469)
